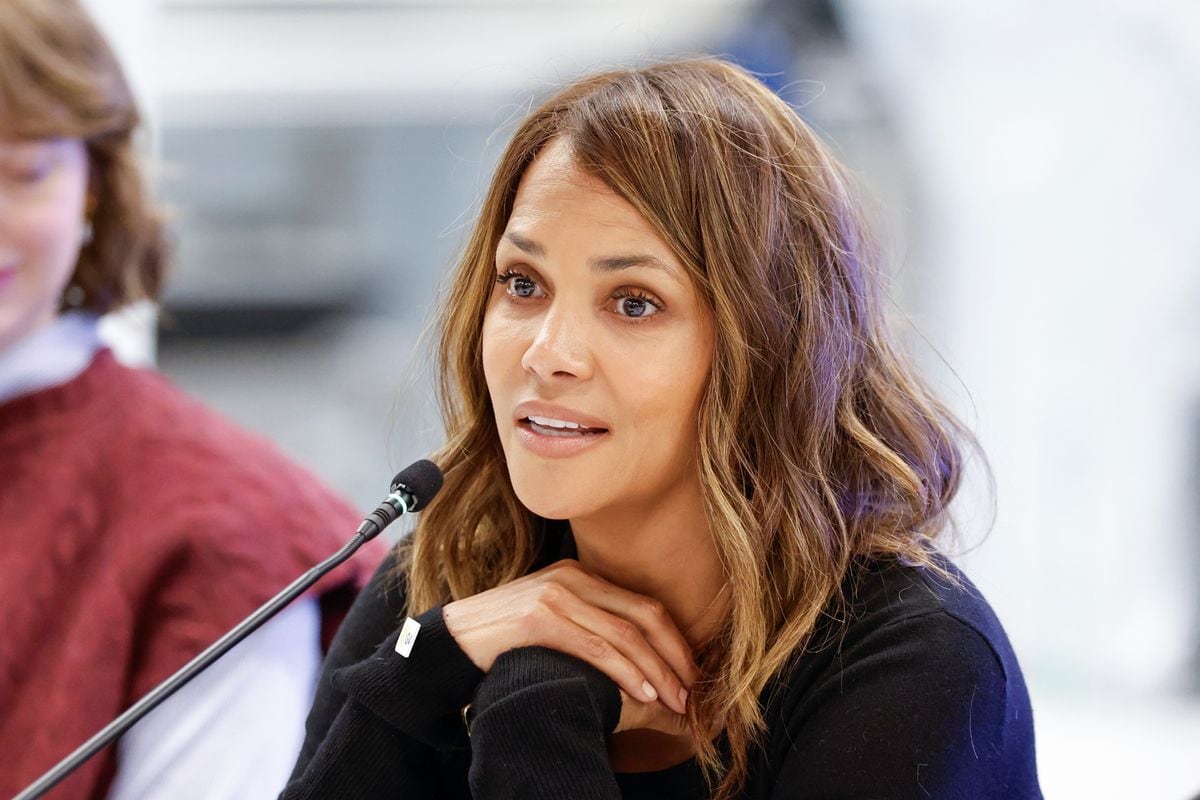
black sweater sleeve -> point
(362, 756)
(378, 716)
(379, 719)
(371, 618)
(540, 722)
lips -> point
(554, 427)
(560, 419)
(554, 431)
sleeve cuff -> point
(540, 728)
(524, 667)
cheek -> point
(502, 351)
(46, 232)
(54, 234)
(665, 389)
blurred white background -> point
(1033, 166)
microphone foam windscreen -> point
(421, 479)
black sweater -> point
(918, 695)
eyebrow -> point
(601, 264)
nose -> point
(559, 350)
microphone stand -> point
(398, 502)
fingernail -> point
(683, 699)
(648, 690)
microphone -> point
(411, 490)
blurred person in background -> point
(136, 525)
(687, 543)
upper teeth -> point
(547, 422)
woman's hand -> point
(627, 636)
(636, 714)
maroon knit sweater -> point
(136, 526)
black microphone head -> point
(421, 480)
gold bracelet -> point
(466, 719)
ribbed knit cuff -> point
(540, 727)
(524, 667)
(421, 695)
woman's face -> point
(43, 190)
(596, 349)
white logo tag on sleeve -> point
(408, 635)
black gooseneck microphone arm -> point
(411, 490)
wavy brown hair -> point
(818, 444)
(60, 79)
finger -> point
(636, 714)
(561, 633)
(627, 638)
(648, 614)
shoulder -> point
(191, 499)
(159, 421)
(891, 604)
(894, 618)
(898, 626)
(183, 461)
(912, 678)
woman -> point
(686, 542)
(136, 526)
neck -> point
(664, 551)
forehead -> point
(555, 193)
(555, 167)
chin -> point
(550, 504)
(553, 497)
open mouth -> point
(547, 426)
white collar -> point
(49, 357)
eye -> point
(31, 163)
(520, 285)
(636, 304)
(29, 173)
(34, 173)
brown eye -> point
(636, 305)
(522, 287)
(519, 285)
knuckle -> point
(595, 646)
(550, 594)
(626, 631)
(653, 608)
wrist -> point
(525, 667)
